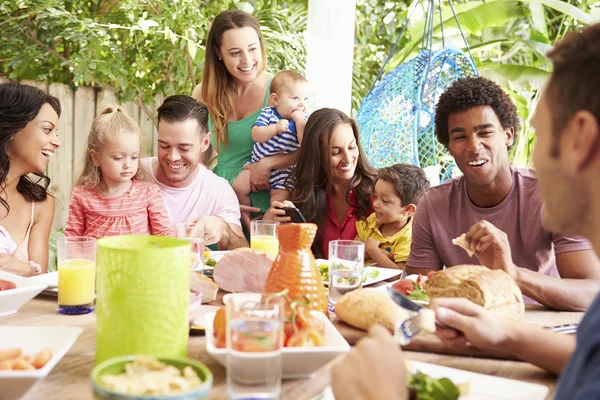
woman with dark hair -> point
(332, 182)
(235, 87)
(28, 139)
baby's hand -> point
(297, 116)
(282, 125)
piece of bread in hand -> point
(461, 241)
(494, 290)
(366, 307)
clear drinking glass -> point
(254, 342)
(263, 236)
(194, 234)
(346, 265)
(76, 260)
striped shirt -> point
(139, 211)
(282, 143)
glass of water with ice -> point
(346, 264)
(254, 343)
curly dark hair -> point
(19, 105)
(574, 82)
(467, 93)
(410, 182)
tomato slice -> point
(307, 337)
(404, 286)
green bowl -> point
(117, 366)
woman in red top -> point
(332, 181)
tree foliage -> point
(139, 47)
(147, 47)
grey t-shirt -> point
(580, 380)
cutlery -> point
(405, 330)
(566, 329)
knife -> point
(403, 301)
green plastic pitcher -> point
(142, 296)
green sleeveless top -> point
(232, 159)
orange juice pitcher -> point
(295, 268)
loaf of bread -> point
(365, 307)
(494, 290)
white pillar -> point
(330, 52)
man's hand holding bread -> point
(466, 322)
(491, 246)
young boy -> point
(277, 130)
(387, 232)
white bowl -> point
(32, 339)
(298, 362)
(13, 299)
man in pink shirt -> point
(499, 207)
(191, 192)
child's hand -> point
(371, 243)
(298, 116)
(282, 125)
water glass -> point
(194, 234)
(76, 260)
(346, 265)
(254, 343)
(263, 236)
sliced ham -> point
(242, 271)
(6, 285)
(201, 284)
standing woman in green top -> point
(235, 88)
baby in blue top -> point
(277, 130)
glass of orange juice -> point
(263, 236)
(76, 259)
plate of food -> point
(430, 381)
(411, 287)
(211, 258)
(310, 341)
(371, 275)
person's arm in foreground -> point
(473, 324)
(579, 270)
(374, 369)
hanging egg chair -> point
(396, 118)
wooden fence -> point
(79, 108)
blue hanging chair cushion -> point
(397, 117)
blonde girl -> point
(110, 197)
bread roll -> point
(494, 290)
(366, 307)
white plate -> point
(298, 362)
(50, 279)
(483, 387)
(384, 273)
(215, 255)
(13, 299)
(32, 339)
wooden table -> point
(69, 380)
(70, 377)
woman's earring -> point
(220, 58)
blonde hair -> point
(107, 126)
(286, 78)
(217, 84)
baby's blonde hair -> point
(107, 126)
